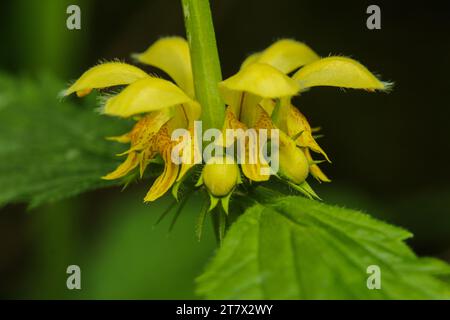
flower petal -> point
(105, 75)
(254, 167)
(260, 79)
(146, 95)
(190, 155)
(125, 138)
(253, 171)
(298, 126)
(146, 157)
(165, 180)
(251, 59)
(124, 168)
(268, 105)
(338, 72)
(171, 55)
(145, 130)
(293, 163)
(314, 168)
(287, 55)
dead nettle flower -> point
(161, 105)
(258, 97)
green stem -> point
(205, 61)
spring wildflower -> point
(257, 97)
(263, 89)
(161, 105)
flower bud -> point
(293, 163)
(220, 175)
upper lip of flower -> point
(258, 96)
(167, 106)
(264, 76)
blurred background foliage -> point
(388, 150)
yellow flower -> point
(264, 88)
(161, 105)
(258, 97)
(252, 165)
(220, 176)
(293, 162)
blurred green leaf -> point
(120, 250)
(294, 248)
(135, 259)
(51, 149)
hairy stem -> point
(205, 61)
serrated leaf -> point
(51, 149)
(295, 248)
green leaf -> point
(51, 149)
(295, 248)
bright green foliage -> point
(51, 149)
(294, 248)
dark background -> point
(389, 151)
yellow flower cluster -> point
(258, 96)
